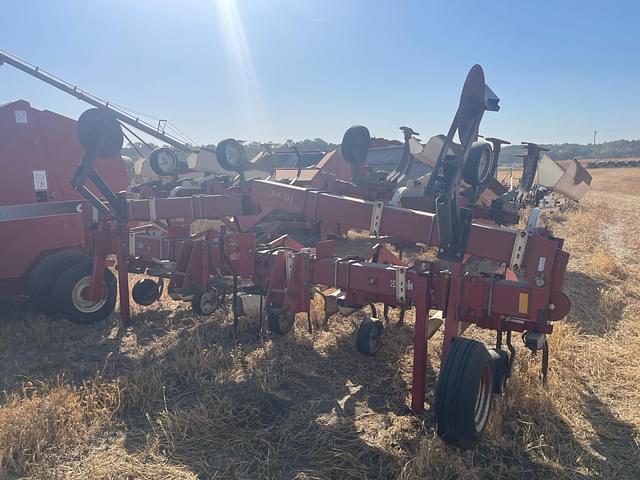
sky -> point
(293, 69)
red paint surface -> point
(47, 141)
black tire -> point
(369, 336)
(355, 145)
(205, 303)
(45, 274)
(280, 322)
(500, 370)
(161, 168)
(480, 165)
(231, 155)
(98, 131)
(146, 291)
(465, 393)
(68, 295)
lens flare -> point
(246, 91)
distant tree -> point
(566, 151)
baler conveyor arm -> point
(119, 113)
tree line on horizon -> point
(508, 156)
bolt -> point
(551, 307)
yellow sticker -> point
(523, 303)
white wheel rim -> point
(483, 399)
(166, 162)
(483, 165)
(285, 321)
(208, 303)
(233, 156)
(374, 340)
(80, 289)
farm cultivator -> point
(521, 292)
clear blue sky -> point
(272, 70)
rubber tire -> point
(457, 390)
(146, 291)
(44, 276)
(355, 145)
(500, 370)
(64, 301)
(98, 130)
(196, 303)
(367, 328)
(221, 155)
(470, 173)
(275, 326)
(155, 166)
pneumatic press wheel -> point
(355, 145)
(465, 393)
(480, 166)
(205, 303)
(146, 291)
(369, 336)
(71, 295)
(231, 155)
(280, 321)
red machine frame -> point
(522, 293)
(501, 302)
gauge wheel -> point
(205, 303)
(231, 155)
(146, 291)
(355, 145)
(71, 292)
(45, 274)
(164, 162)
(280, 322)
(480, 165)
(464, 393)
(99, 132)
(369, 336)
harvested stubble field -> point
(178, 396)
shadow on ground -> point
(283, 408)
(596, 307)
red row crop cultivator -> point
(523, 292)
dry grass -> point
(40, 422)
(178, 396)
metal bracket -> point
(376, 218)
(454, 249)
(288, 257)
(401, 284)
(152, 210)
(517, 254)
(132, 243)
(520, 244)
(534, 220)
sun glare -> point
(245, 85)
